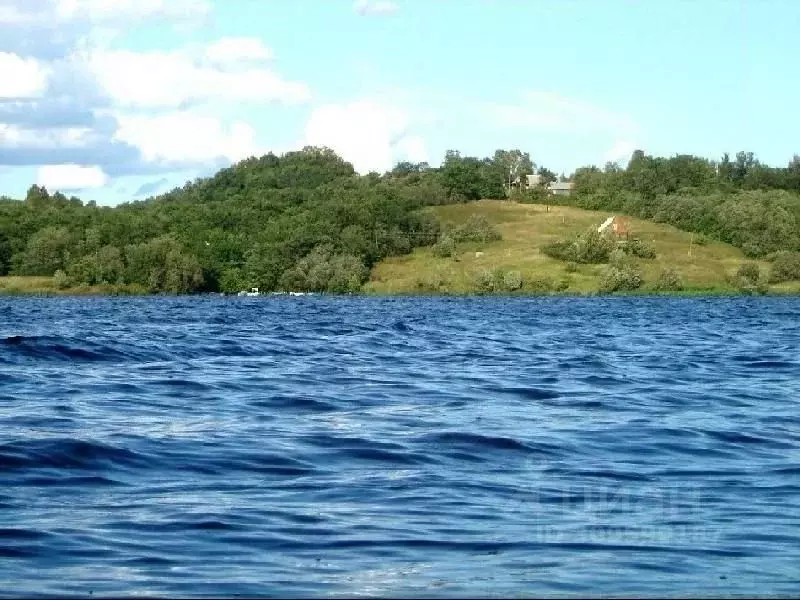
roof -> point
(561, 185)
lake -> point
(340, 446)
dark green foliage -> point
(305, 219)
(748, 279)
(5, 254)
(103, 266)
(533, 195)
(499, 281)
(47, 251)
(785, 267)
(749, 271)
(483, 281)
(741, 201)
(588, 247)
(542, 285)
(638, 248)
(561, 250)
(668, 281)
(445, 247)
(621, 278)
(476, 229)
(163, 264)
(254, 224)
(323, 271)
(232, 280)
(469, 178)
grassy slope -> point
(44, 286)
(526, 227)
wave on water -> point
(341, 446)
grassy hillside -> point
(46, 286)
(527, 227)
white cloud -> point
(375, 7)
(11, 14)
(620, 151)
(72, 95)
(182, 138)
(229, 51)
(541, 110)
(103, 11)
(414, 149)
(171, 79)
(369, 134)
(14, 137)
(71, 177)
(21, 77)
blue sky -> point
(116, 100)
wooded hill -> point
(305, 221)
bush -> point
(639, 248)
(484, 281)
(561, 250)
(785, 267)
(445, 247)
(589, 247)
(748, 279)
(512, 281)
(322, 271)
(534, 195)
(593, 247)
(749, 271)
(541, 285)
(702, 240)
(348, 273)
(476, 229)
(619, 258)
(60, 280)
(621, 279)
(668, 281)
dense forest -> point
(305, 221)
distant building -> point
(560, 188)
(557, 188)
(618, 225)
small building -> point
(560, 188)
(533, 180)
(556, 188)
(619, 226)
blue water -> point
(399, 447)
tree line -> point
(742, 201)
(305, 221)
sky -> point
(117, 100)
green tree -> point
(5, 253)
(47, 251)
(512, 165)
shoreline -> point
(89, 293)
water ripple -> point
(321, 446)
